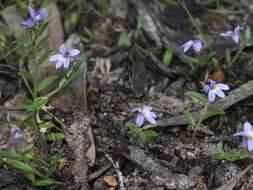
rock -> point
(6, 177)
(194, 172)
(13, 18)
(118, 9)
(225, 172)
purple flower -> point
(34, 17)
(144, 113)
(16, 135)
(247, 133)
(64, 57)
(195, 44)
(235, 35)
(213, 89)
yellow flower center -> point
(250, 136)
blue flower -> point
(64, 57)
(247, 133)
(195, 44)
(144, 113)
(213, 89)
(235, 35)
(34, 17)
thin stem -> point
(28, 86)
(200, 119)
(236, 56)
(196, 25)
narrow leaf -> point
(38, 103)
(123, 39)
(55, 136)
(189, 117)
(150, 134)
(214, 112)
(196, 95)
(43, 58)
(167, 57)
(30, 176)
(46, 82)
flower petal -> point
(220, 93)
(186, 46)
(62, 49)
(139, 120)
(211, 96)
(31, 11)
(59, 63)
(197, 45)
(223, 86)
(151, 119)
(247, 127)
(235, 37)
(66, 63)
(237, 29)
(241, 133)
(152, 114)
(41, 14)
(73, 52)
(28, 22)
(136, 109)
(55, 57)
(206, 88)
(147, 108)
(250, 144)
(226, 34)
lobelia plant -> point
(212, 89)
(143, 113)
(39, 169)
(237, 154)
(239, 40)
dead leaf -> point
(218, 74)
(111, 180)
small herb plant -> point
(39, 169)
(213, 90)
(135, 128)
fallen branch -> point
(232, 183)
(117, 169)
(160, 175)
(234, 97)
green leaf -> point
(228, 56)
(196, 95)
(43, 58)
(123, 39)
(26, 101)
(214, 112)
(231, 155)
(42, 27)
(167, 57)
(43, 182)
(140, 20)
(46, 125)
(30, 176)
(41, 43)
(189, 117)
(38, 103)
(46, 82)
(247, 34)
(55, 136)
(10, 153)
(149, 134)
(137, 132)
(21, 165)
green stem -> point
(236, 56)
(28, 86)
(200, 119)
(196, 25)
